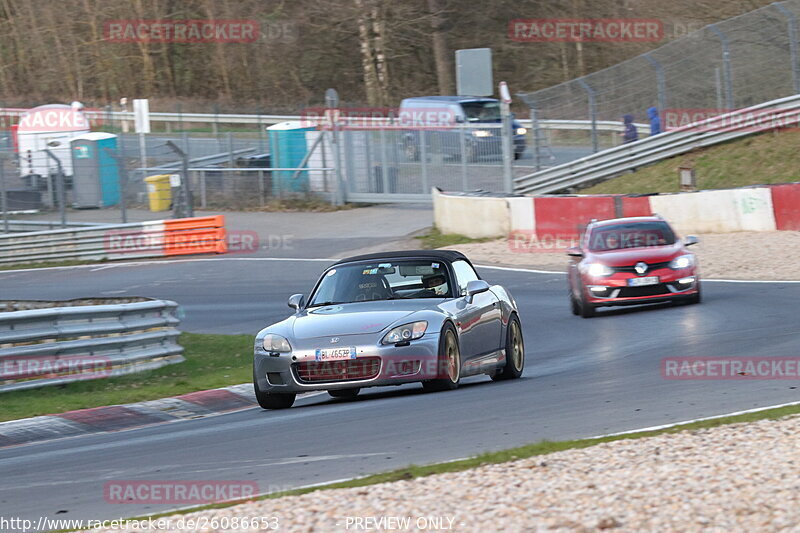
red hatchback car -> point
(628, 261)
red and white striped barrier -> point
(762, 208)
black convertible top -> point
(442, 255)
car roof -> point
(611, 221)
(452, 99)
(441, 255)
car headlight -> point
(276, 343)
(481, 133)
(406, 332)
(683, 261)
(598, 270)
(521, 131)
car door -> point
(480, 321)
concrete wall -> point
(563, 217)
(717, 211)
(474, 216)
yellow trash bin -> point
(159, 192)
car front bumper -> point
(672, 285)
(374, 365)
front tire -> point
(272, 401)
(275, 401)
(344, 393)
(587, 310)
(515, 352)
(448, 364)
(573, 304)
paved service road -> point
(582, 378)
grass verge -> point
(504, 456)
(436, 239)
(50, 264)
(212, 361)
(759, 159)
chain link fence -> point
(742, 61)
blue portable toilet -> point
(287, 142)
(95, 172)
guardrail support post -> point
(535, 131)
(726, 65)
(592, 112)
(792, 30)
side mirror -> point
(690, 240)
(459, 119)
(574, 252)
(474, 287)
(296, 301)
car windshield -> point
(382, 280)
(630, 235)
(482, 111)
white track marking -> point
(685, 422)
(330, 260)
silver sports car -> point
(387, 319)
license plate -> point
(641, 282)
(335, 354)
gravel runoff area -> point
(750, 255)
(742, 477)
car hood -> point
(631, 256)
(356, 318)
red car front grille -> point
(648, 290)
(349, 370)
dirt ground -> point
(764, 255)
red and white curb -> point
(129, 416)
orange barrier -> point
(198, 235)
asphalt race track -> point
(582, 378)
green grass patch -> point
(504, 456)
(436, 239)
(212, 361)
(759, 159)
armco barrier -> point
(158, 238)
(786, 206)
(776, 114)
(56, 345)
(549, 218)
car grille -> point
(349, 370)
(648, 290)
(631, 269)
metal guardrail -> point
(614, 161)
(210, 118)
(17, 226)
(53, 346)
(155, 238)
(66, 244)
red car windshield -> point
(630, 235)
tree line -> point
(375, 52)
